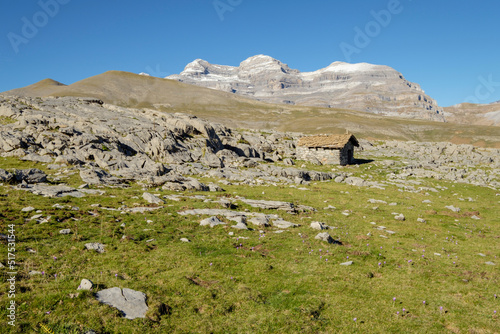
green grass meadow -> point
(259, 281)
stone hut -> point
(327, 149)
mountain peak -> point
(259, 59)
(367, 87)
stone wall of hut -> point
(327, 156)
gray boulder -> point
(98, 176)
(150, 198)
(212, 222)
(37, 158)
(452, 208)
(319, 226)
(50, 191)
(6, 177)
(32, 175)
(130, 302)
(98, 247)
(260, 221)
(212, 161)
(86, 285)
(280, 223)
(400, 217)
(326, 237)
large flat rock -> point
(130, 302)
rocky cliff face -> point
(366, 87)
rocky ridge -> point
(365, 87)
(112, 146)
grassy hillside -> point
(471, 113)
(42, 88)
(427, 277)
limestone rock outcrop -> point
(365, 87)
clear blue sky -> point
(451, 48)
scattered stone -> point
(34, 272)
(426, 201)
(348, 263)
(375, 201)
(37, 158)
(280, 223)
(319, 226)
(240, 226)
(150, 198)
(185, 240)
(437, 254)
(400, 217)
(490, 263)
(326, 237)
(214, 187)
(32, 175)
(475, 217)
(130, 302)
(452, 208)
(260, 220)
(92, 191)
(6, 176)
(241, 222)
(269, 205)
(481, 254)
(27, 209)
(50, 191)
(98, 176)
(85, 284)
(141, 209)
(98, 247)
(212, 222)
(65, 231)
(421, 220)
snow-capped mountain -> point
(367, 87)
